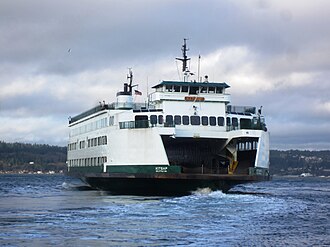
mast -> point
(125, 98)
(130, 78)
(199, 68)
(184, 60)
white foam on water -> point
(202, 191)
(66, 185)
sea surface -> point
(55, 210)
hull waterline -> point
(165, 184)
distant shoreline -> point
(31, 172)
(63, 173)
(20, 158)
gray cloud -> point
(273, 53)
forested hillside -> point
(296, 162)
(31, 157)
(18, 157)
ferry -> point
(186, 136)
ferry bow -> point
(187, 136)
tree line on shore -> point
(16, 157)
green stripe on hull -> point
(85, 169)
(258, 171)
(144, 169)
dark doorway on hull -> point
(245, 159)
(197, 155)
(141, 121)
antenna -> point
(199, 67)
(185, 59)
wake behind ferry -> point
(187, 136)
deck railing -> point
(241, 109)
(141, 124)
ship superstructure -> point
(187, 136)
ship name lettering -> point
(161, 169)
(192, 98)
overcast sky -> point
(272, 53)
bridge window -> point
(195, 120)
(177, 119)
(159, 89)
(168, 88)
(213, 121)
(205, 120)
(219, 89)
(185, 120)
(193, 90)
(203, 89)
(211, 89)
(184, 89)
(176, 88)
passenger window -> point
(195, 120)
(212, 121)
(160, 119)
(228, 121)
(221, 121)
(185, 120)
(184, 89)
(153, 119)
(169, 119)
(205, 120)
(235, 121)
(177, 119)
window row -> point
(93, 142)
(72, 146)
(245, 146)
(97, 141)
(231, 122)
(187, 120)
(191, 89)
(94, 161)
(101, 123)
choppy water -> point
(54, 210)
